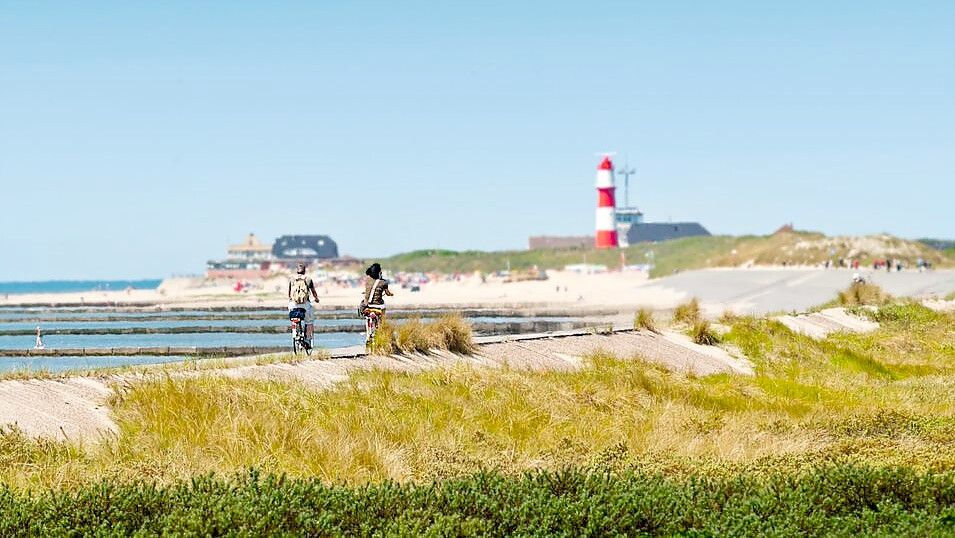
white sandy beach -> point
(742, 290)
(565, 289)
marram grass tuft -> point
(450, 332)
(688, 313)
(644, 320)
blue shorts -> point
(307, 307)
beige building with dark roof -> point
(251, 250)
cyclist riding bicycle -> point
(376, 288)
(299, 288)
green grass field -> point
(669, 257)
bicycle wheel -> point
(372, 327)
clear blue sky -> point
(137, 139)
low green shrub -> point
(909, 313)
(837, 499)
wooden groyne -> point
(187, 351)
(240, 351)
(55, 317)
(227, 313)
(481, 328)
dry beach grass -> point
(450, 332)
(882, 397)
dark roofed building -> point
(644, 232)
(304, 247)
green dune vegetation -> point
(830, 501)
(852, 433)
(668, 257)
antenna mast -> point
(626, 172)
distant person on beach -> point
(299, 289)
(376, 288)
(39, 339)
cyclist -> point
(299, 288)
(376, 288)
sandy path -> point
(940, 305)
(71, 408)
(768, 290)
(821, 324)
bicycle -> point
(372, 322)
(300, 341)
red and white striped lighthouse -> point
(606, 206)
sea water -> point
(71, 286)
(51, 318)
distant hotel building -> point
(308, 248)
(254, 259)
(251, 250)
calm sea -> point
(66, 286)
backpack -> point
(300, 289)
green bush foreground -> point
(838, 499)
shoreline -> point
(742, 290)
(562, 289)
